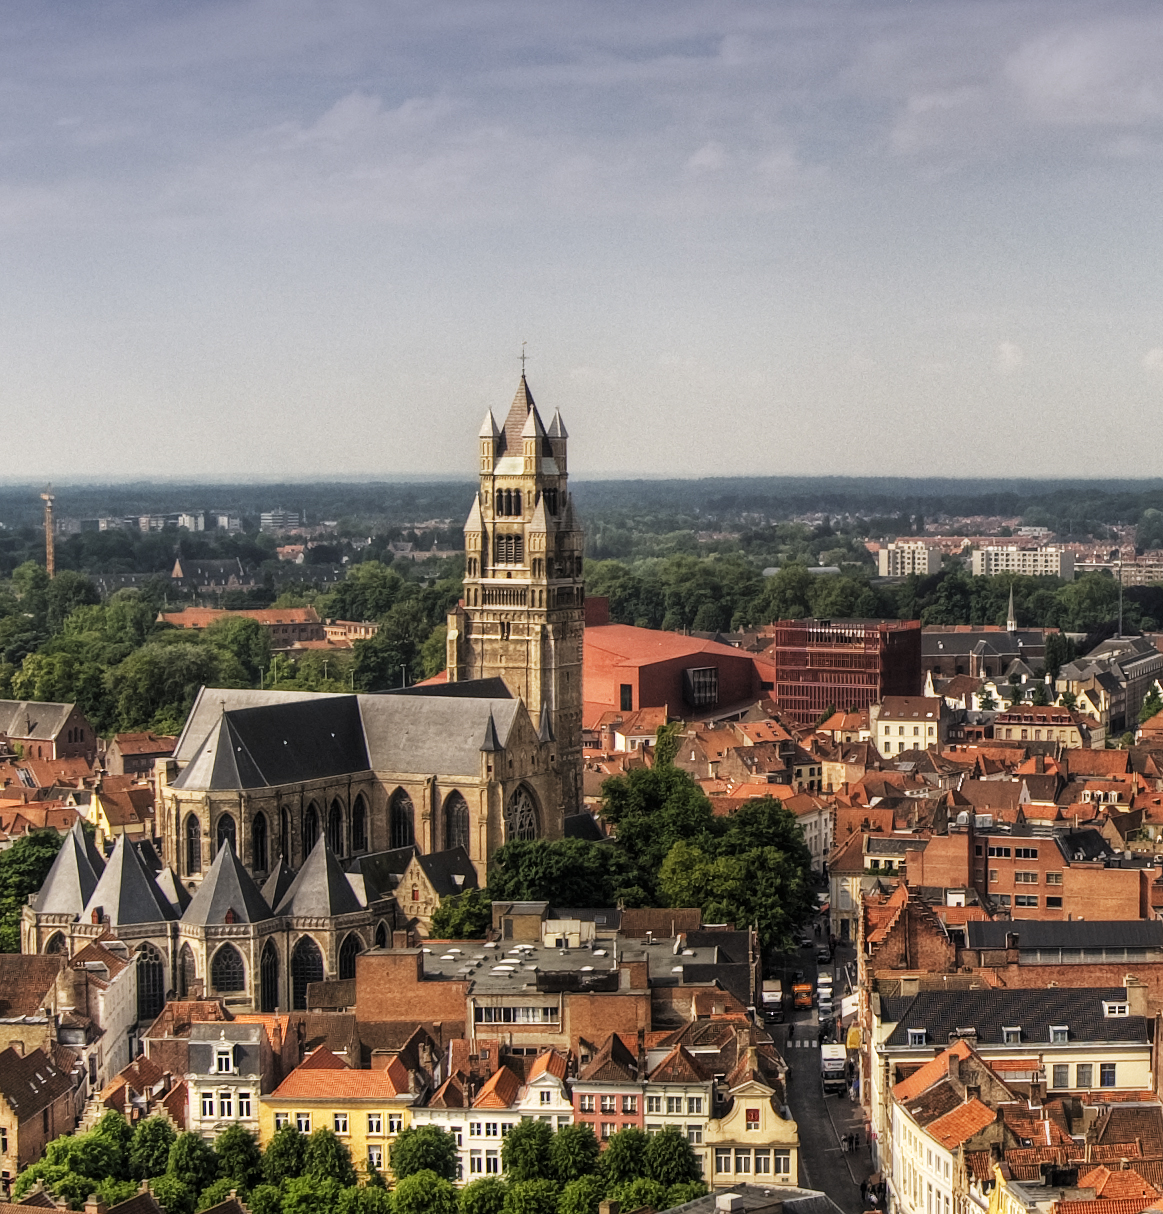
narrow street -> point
(823, 1121)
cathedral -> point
(287, 820)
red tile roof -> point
(932, 1072)
(961, 1124)
(342, 1083)
(499, 1092)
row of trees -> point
(751, 868)
(729, 592)
(547, 1172)
(544, 1172)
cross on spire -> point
(523, 357)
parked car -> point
(823, 954)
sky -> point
(278, 238)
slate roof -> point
(126, 892)
(72, 878)
(279, 744)
(33, 719)
(227, 887)
(943, 1012)
(293, 736)
(443, 867)
(1078, 933)
(32, 1082)
(321, 889)
(176, 893)
(381, 870)
(278, 881)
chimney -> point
(609, 1207)
(1136, 996)
(95, 1205)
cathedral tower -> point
(521, 618)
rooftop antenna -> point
(50, 563)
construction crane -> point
(49, 554)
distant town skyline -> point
(304, 241)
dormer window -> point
(224, 1062)
(1115, 1009)
(1011, 1036)
(1059, 1034)
(917, 1036)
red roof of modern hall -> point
(636, 646)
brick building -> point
(843, 664)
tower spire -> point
(1011, 622)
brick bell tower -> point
(522, 616)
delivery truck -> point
(834, 1068)
(772, 1000)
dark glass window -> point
(269, 974)
(151, 983)
(193, 845)
(306, 967)
(226, 833)
(258, 833)
(348, 951)
(627, 697)
(381, 936)
(359, 824)
(310, 829)
(521, 816)
(335, 828)
(456, 830)
(227, 972)
(401, 816)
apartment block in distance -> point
(843, 664)
(1033, 562)
(903, 557)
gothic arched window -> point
(56, 944)
(227, 973)
(269, 976)
(335, 828)
(381, 936)
(187, 971)
(351, 947)
(521, 816)
(456, 828)
(151, 983)
(258, 842)
(310, 829)
(306, 967)
(226, 833)
(359, 824)
(193, 845)
(402, 817)
(285, 836)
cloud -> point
(1153, 359)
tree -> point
(666, 745)
(669, 1158)
(573, 1152)
(1041, 696)
(986, 702)
(239, 1156)
(245, 639)
(328, 1158)
(680, 1194)
(624, 1158)
(573, 872)
(149, 1151)
(215, 1193)
(466, 916)
(155, 686)
(174, 1194)
(424, 1192)
(283, 1158)
(425, 1148)
(23, 868)
(532, 1196)
(265, 1199)
(384, 660)
(193, 1161)
(1151, 705)
(525, 1151)
(581, 1196)
(634, 1194)
(483, 1196)
(311, 1195)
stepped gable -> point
(275, 744)
(72, 878)
(227, 888)
(278, 881)
(321, 890)
(126, 892)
